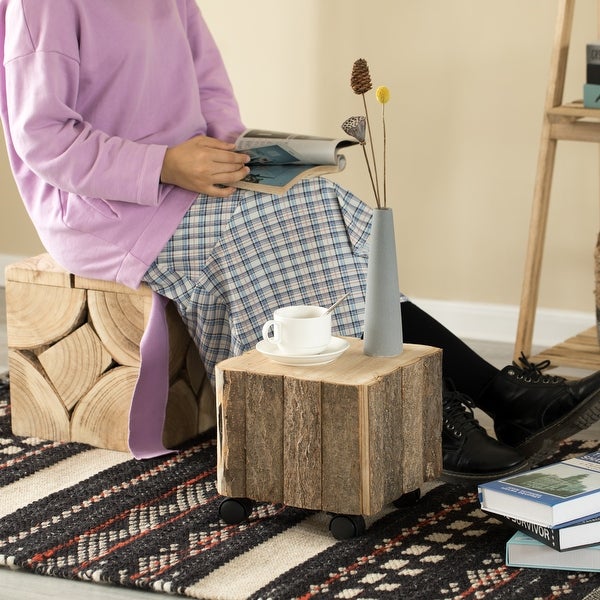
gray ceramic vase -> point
(383, 319)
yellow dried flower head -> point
(383, 94)
(360, 80)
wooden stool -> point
(348, 437)
(74, 359)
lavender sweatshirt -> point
(91, 94)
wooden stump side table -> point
(348, 437)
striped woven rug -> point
(71, 511)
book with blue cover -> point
(549, 496)
(523, 551)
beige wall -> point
(17, 235)
(468, 81)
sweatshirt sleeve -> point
(61, 147)
(219, 105)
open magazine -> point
(279, 160)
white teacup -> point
(299, 330)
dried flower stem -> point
(384, 156)
(383, 95)
(364, 147)
(360, 82)
(374, 183)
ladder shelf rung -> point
(576, 131)
(572, 111)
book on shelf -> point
(524, 551)
(592, 53)
(279, 160)
(591, 95)
(575, 534)
(591, 88)
(551, 495)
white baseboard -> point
(5, 260)
(498, 322)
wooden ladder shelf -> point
(562, 121)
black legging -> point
(469, 371)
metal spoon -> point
(335, 304)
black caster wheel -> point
(235, 510)
(346, 527)
(408, 499)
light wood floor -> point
(17, 585)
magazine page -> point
(273, 147)
(279, 177)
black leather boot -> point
(470, 455)
(533, 411)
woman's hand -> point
(204, 165)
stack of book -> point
(556, 511)
(591, 89)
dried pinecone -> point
(360, 80)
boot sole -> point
(477, 478)
(545, 442)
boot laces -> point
(533, 372)
(459, 417)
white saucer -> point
(335, 349)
